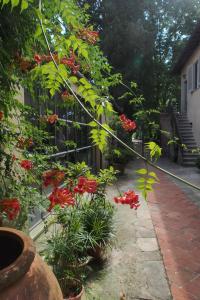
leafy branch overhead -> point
(146, 181)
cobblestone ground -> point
(135, 265)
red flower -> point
(62, 197)
(71, 62)
(37, 59)
(52, 119)
(129, 198)
(1, 115)
(75, 69)
(11, 207)
(46, 58)
(65, 95)
(85, 185)
(127, 124)
(90, 36)
(53, 177)
(22, 142)
(14, 157)
(26, 164)
(25, 65)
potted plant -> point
(66, 252)
(98, 224)
(118, 158)
(22, 272)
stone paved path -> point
(176, 219)
(135, 265)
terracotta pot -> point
(78, 297)
(71, 286)
(119, 167)
(23, 274)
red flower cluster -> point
(85, 185)
(65, 95)
(129, 198)
(90, 36)
(71, 62)
(52, 119)
(24, 143)
(1, 115)
(37, 59)
(26, 164)
(44, 58)
(11, 207)
(53, 177)
(127, 124)
(25, 65)
(62, 197)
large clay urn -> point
(23, 274)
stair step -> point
(189, 154)
(184, 130)
(189, 146)
(189, 164)
(185, 136)
(184, 123)
(187, 133)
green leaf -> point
(152, 174)
(24, 5)
(142, 171)
(155, 150)
(5, 2)
(151, 181)
(73, 79)
(92, 124)
(140, 180)
(84, 53)
(14, 3)
(38, 31)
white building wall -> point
(193, 97)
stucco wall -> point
(193, 99)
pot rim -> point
(21, 265)
(77, 296)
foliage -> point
(198, 163)
(142, 40)
(84, 224)
(146, 181)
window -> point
(193, 78)
(195, 75)
(190, 77)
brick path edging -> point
(177, 224)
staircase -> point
(187, 138)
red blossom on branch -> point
(127, 124)
(22, 142)
(62, 197)
(1, 115)
(65, 95)
(85, 185)
(26, 164)
(53, 178)
(71, 62)
(52, 119)
(38, 59)
(89, 35)
(129, 198)
(11, 207)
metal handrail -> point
(59, 154)
(71, 122)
